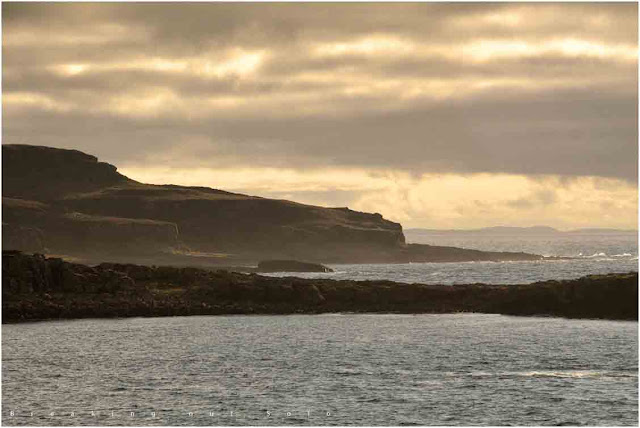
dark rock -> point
(22, 238)
(290, 266)
(45, 173)
(35, 287)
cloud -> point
(516, 89)
(433, 200)
(571, 132)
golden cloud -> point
(431, 200)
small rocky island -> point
(37, 288)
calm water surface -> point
(455, 369)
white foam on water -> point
(622, 255)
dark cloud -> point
(563, 113)
(567, 133)
(196, 24)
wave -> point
(594, 255)
(561, 374)
(605, 255)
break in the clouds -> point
(419, 100)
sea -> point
(587, 254)
(341, 369)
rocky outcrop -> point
(116, 234)
(23, 238)
(35, 287)
(45, 173)
(37, 227)
(22, 222)
(266, 266)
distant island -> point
(37, 288)
(517, 231)
(67, 203)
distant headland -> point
(67, 203)
(518, 231)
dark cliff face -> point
(44, 173)
(212, 221)
(66, 202)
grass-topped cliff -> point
(67, 202)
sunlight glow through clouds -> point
(71, 69)
(486, 50)
(157, 101)
(236, 63)
(440, 200)
(332, 98)
(242, 64)
(28, 100)
(479, 50)
(373, 45)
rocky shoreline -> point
(37, 288)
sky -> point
(436, 115)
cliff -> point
(67, 202)
(46, 173)
(35, 287)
